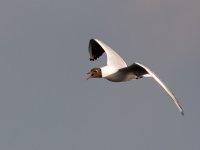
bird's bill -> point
(88, 75)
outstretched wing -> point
(164, 87)
(97, 48)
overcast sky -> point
(45, 101)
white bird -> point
(117, 70)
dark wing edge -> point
(95, 50)
(135, 69)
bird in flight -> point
(117, 70)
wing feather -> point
(164, 87)
(97, 48)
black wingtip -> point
(182, 113)
(95, 49)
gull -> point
(117, 70)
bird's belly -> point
(120, 77)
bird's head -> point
(94, 73)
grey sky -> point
(45, 101)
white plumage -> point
(117, 70)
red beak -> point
(88, 76)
